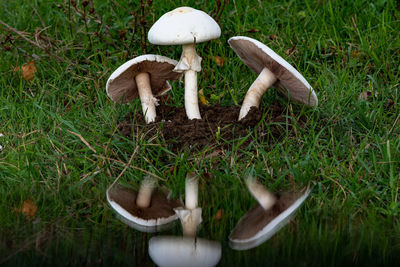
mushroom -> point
(144, 211)
(265, 219)
(145, 76)
(190, 215)
(186, 26)
(271, 70)
(188, 250)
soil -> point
(217, 127)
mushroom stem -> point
(146, 96)
(190, 216)
(254, 95)
(146, 189)
(191, 191)
(264, 197)
(190, 220)
(191, 95)
(190, 64)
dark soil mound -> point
(217, 127)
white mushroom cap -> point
(258, 56)
(184, 25)
(184, 251)
(258, 225)
(121, 85)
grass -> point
(349, 149)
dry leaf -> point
(122, 34)
(272, 37)
(291, 50)
(215, 154)
(390, 102)
(366, 95)
(171, 169)
(29, 208)
(253, 30)
(202, 98)
(219, 215)
(28, 70)
(218, 60)
(207, 176)
(355, 54)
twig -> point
(126, 167)
(69, 17)
(83, 140)
(31, 42)
(87, 28)
(394, 124)
(37, 13)
(133, 167)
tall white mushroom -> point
(186, 26)
(272, 70)
(190, 215)
(145, 76)
(262, 221)
(188, 250)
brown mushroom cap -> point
(258, 225)
(257, 56)
(161, 209)
(121, 86)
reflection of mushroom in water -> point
(272, 70)
(187, 250)
(145, 76)
(186, 26)
(265, 219)
(146, 211)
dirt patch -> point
(217, 127)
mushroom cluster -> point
(147, 77)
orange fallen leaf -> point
(272, 37)
(122, 34)
(253, 30)
(171, 169)
(218, 60)
(202, 98)
(291, 50)
(29, 208)
(355, 54)
(27, 70)
(219, 214)
(390, 102)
